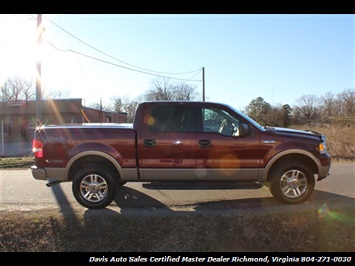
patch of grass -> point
(340, 140)
(16, 163)
(307, 231)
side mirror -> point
(242, 130)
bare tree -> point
(328, 106)
(161, 90)
(184, 92)
(307, 109)
(164, 89)
(347, 99)
(24, 88)
(62, 94)
(17, 88)
(102, 107)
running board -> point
(202, 185)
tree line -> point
(18, 88)
(309, 109)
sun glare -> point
(18, 47)
(20, 52)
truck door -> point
(167, 143)
(221, 153)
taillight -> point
(37, 148)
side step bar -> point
(202, 185)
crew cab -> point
(174, 141)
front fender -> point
(292, 152)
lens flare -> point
(330, 216)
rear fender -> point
(95, 147)
(106, 152)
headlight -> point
(322, 148)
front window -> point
(219, 121)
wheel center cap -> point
(94, 187)
(293, 184)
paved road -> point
(20, 192)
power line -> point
(110, 63)
(144, 69)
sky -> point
(279, 57)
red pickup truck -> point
(173, 141)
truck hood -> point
(295, 132)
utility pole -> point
(100, 116)
(203, 84)
(39, 67)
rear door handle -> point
(203, 143)
(149, 143)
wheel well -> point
(84, 161)
(298, 157)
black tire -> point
(94, 187)
(291, 182)
(121, 184)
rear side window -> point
(168, 118)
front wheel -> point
(94, 187)
(291, 182)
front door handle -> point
(149, 143)
(204, 143)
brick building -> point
(18, 118)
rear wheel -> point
(94, 187)
(291, 182)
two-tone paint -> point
(137, 154)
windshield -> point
(247, 118)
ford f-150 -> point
(174, 141)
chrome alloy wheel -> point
(93, 188)
(293, 183)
